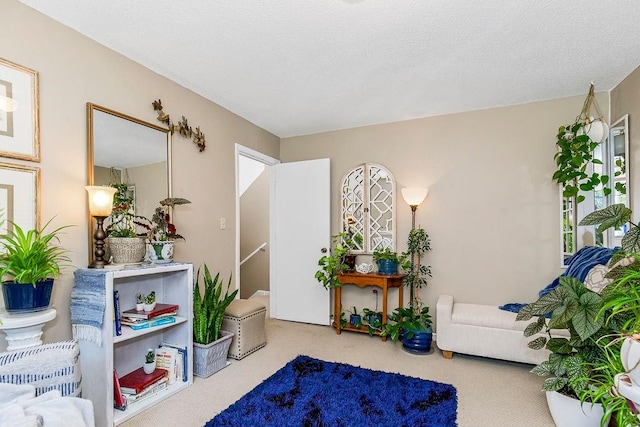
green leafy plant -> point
(616, 216)
(575, 155)
(31, 256)
(150, 298)
(406, 319)
(208, 308)
(150, 357)
(162, 229)
(575, 308)
(123, 222)
(334, 263)
(139, 299)
(602, 382)
(416, 273)
(388, 254)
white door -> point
(300, 218)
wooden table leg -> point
(400, 295)
(385, 291)
(337, 306)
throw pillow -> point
(596, 280)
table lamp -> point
(100, 205)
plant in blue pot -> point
(355, 319)
(413, 326)
(388, 261)
(29, 262)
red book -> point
(136, 381)
(118, 399)
(157, 311)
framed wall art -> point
(19, 123)
(19, 197)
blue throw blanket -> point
(88, 300)
(579, 265)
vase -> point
(387, 267)
(355, 320)
(568, 412)
(162, 251)
(417, 342)
(127, 250)
(26, 298)
(149, 367)
(630, 358)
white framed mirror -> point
(124, 149)
(368, 208)
(618, 166)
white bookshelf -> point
(173, 284)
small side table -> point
(25, 330)
(363, 280)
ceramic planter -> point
(355, 320)
(127, 250)
(387, 267)
(568, 412)
(149, 367)
(419, 342)
(162, 251)
(25, 298)
(210, 358)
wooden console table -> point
(364, 280)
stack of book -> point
(137, 385)
(160, 315)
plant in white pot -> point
(125, 242)
(211, 344)
(149, 362)
(29, 263)
(162, 233)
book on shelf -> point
(119, 401)
(134, 320)
(157, 311)
(145, 324)
(167, 358)
(116, 312)
(182, 358)
(136, 381)
(159, 385)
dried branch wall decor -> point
(182, 127)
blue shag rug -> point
(312, 392)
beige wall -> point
(625, 99)
(254, 226)
(74, 70)
(492, 208)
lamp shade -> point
(414, 195)
(100, 200)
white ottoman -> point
(245, 318)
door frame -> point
(268, 161)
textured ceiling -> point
(297, 67)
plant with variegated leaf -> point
(208, 308)
(616, 216)
(573, 307)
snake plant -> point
(208, 309)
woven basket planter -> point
(210, 358)
(127, 250)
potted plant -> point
(139, 302)
(334, 263)
(354, 318)
(29, 264)
(149, 362)
(416, 273)
(576, 154)
(162, 232)
(413, 326)
(211, 344)
(149, 301)
(124, 243)
(373, 318)
(573, 307)
(616, 384)
(388, 261)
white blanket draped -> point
(19, 407)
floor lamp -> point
(100, 205)
(413, 196)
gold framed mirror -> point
(124, 149)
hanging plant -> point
(576, 153)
